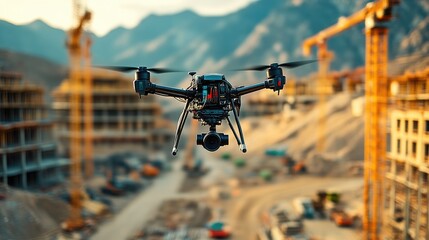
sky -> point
(108, 14)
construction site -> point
(339, 153)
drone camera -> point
(212, 141)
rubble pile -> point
(177, 217)
(25, 215)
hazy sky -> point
(108, 14)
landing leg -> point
(240, 131)
(180, 124)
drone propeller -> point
(285, 65)
(128, 69)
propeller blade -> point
(118, 68)
(296, 64)
(254, 68)
(163, 70)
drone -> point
(210, 98)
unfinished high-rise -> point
(407, 169)
(122, 122)
(27, 148)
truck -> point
(341, 218)
(304, 207)
(287, 231)
(285, 223)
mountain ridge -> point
(264, 31)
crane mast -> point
(79, 82)
(189, 156)
(376, 34)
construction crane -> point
(323, 89)
(376, 34)
(79, 79)
(189, 162)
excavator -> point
(117, 187)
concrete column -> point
(39, 166)
(420, 133)
(121, 116)
(419, 203)
(4, 162)
(3, 139)
(393, 190)
(427, 207)
(22, 139)
(24, 170)
(407, 201)
(104, 119)
(39, 132)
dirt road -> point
(142, 208)
(244, 212)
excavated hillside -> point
(297, 132)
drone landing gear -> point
(180, 124)
(240, 141)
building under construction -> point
(407, 169)
(27, 148)
(121, 121)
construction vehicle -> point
(219, 229)
(149, 171)
(304, 207)
(266, 174)
(129, 183)
(89, 205)
(299, 167)
(286, 222)
(341, 218)
(319, 203)
(240, 162)
(273, 152)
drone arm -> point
(170, 91)
(276, 84)
(247, 89)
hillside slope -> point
(35, 70)
(298, 133)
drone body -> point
(210, 98)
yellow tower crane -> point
(189, 157)
(79, 79)
(374, 14)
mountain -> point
(34, 70)
(36, 38)
(265, 31)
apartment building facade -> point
(122, 122)
(407, 172)
(27, 148)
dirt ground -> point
(40, 214)
(175, 217)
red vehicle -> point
(219, 230)
(341, 218)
